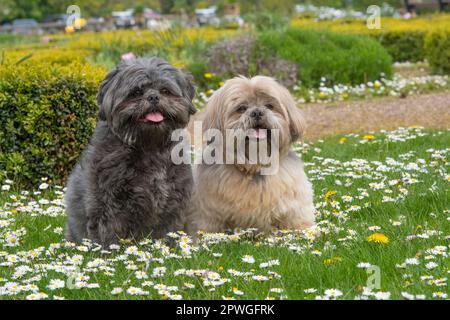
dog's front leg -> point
(101, 230)
(92, 229)
(299, 222)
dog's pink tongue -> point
(154, 117)
(259, 133)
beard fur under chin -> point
(146, 138)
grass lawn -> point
(391, 184)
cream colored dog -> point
(228, 196)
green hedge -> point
(340, 58)
(437, 51)
(403, 45)
(47, 114)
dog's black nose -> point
(153, 98)
(257, 114)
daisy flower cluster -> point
(398, 86)
(376, 212)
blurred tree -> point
(21, 9)
(166, 6)
(37, 9)
(187, 6)
(7, 8)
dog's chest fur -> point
(248, 200)
(141, 188)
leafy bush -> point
(403, 46)
(437, 50)
(236, 56)
(340, 58)
(403, 39)
(47, 114)
(232, 56)
(267, 21)
(298, 54)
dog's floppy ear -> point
(190, 85)
(104, 87)
(214, 112)
(296, 120)
(190, 91)
(296, 124)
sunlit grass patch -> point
(383, 209)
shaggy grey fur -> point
(125, 185)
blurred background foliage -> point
(37, 9)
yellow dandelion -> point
(344, 95)
(70, 29)
(322, 94)
(333, 260)
(343, 140)
(221, 83)
(379, 238)
(369, 137)
(329, 195)
(208, 75)
(79, 23)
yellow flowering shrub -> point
(403, 39)
(388, 24)
(142, 39)
(46, 56)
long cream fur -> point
(228, 196)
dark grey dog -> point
(126, 185)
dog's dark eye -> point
(269, 106)
(137, 92)
(165, 91)
(241, 109)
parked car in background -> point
(123, 19)
(207, 16)
(5, 27)
(154, 20)
(54, 23)
(26, 27)
(56, 18)
(96, 24)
